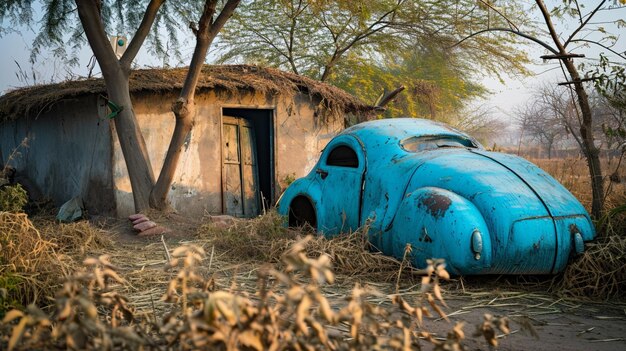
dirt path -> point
(560, 325)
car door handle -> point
(322, 173)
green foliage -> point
(436, 86)
(13, 198)
(307, 36)
(610, 81)
(289, 178)
(10, 286)
(59, 29)
(367, 47)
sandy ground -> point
(560, 324)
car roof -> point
(402, 128)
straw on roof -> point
(21, 102)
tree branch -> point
(89, 15)
(203, 39)
(601, 45)
(511, 24)
(385, 99)
(583, 24)
(548, 20)
(142, 32)
(224, 15)
(183, 108)
(521, 34)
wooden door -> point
(240, 176)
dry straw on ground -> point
(78, 238)
(266, 239)
(26, 261)
(34, 262)
(600, 273)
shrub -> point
(13, 198)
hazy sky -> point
(514, 91)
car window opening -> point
(425, 143)
(343, 156)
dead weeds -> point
(287, 310)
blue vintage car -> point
(423, 183)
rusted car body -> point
(426, 184)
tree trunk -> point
(116, 78)
(549, 151)
(590, 150)
(183, 111)
(184, 106)
(131, 142)
(592, 154)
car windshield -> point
(432, 142)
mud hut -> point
(255, 130)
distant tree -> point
(96, 18)
(479, 121)
(560, 50)
(541, 123)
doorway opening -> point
(248, 161)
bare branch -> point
(390, 96)
(601, 45)
(521, 34)
(584, 23)
(548, 20)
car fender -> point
(438, 223)
(303, 187)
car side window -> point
(343, 156)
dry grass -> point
(34, 262)
(599, 274)
(27, 265)
(76, 239)
(265, 239)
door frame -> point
(272, 139)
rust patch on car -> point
(436, 204)
(573, 229)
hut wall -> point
(299, 137)
(67, 152)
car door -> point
(340, 173)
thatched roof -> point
(20, 102)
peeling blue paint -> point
(426, 184)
